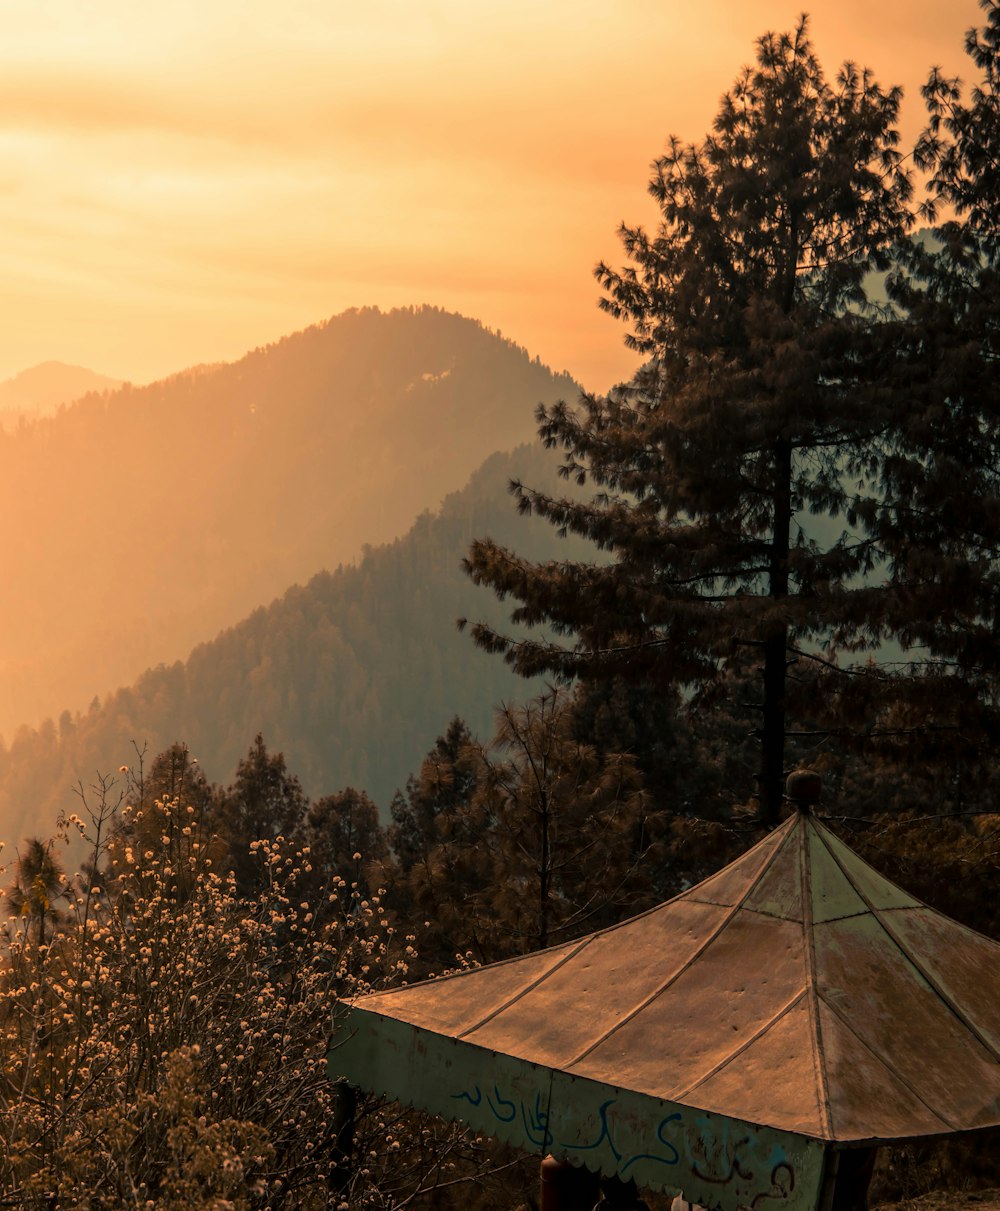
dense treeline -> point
(351, 675)
(148, 518)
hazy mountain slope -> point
(41, 389)
(352, 676)
(134, 524)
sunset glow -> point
(180, 184)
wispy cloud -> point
(262, 160)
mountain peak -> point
(41, 389)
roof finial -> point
(803, 789)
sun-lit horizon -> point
(181, 185)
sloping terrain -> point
(42, 389)
(136, 523)
(351, 675)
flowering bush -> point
(167, 1045)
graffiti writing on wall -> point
(534, 1120)
(706, 1153)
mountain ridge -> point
(41, 389)
(150, 517)
(352, 675)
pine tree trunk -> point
(772, 749)
(544, 879)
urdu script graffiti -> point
(535, 1122)
(719, 1160)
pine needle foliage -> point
(733, 470)
(937, 516)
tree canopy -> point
(759, 477)
(937, 519)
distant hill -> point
(136, 523)
(352, 676)
(40, 391)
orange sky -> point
(179, 183)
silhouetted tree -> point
(755, 413)
(345, 837)
(264, 802)
(445, 784)
(39, 883)
(431, 839)
(937, 517)
(528, 840)
(565, 830)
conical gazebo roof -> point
(796, 990)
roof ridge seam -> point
(676, 1095)
(928, 979)
(692, 958)
(884, 1063)
(987, 1044)
(819, 1058)
(528, 988)
(848, 916)
(772, 916)
(824, 829)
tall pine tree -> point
(936, 515)
(734, 469)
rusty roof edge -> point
(812, 990)
(465, 973)
(879, 915)
(881, 1060)
(692, 958)
(675, 1096)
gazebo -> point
(728, 1045)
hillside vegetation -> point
(351, 675)
(139, 522)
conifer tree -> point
(513, 845)
(563, 831)
(436, 842)
(444, 787)
(345, 837)
(734, 468)
(39, 883)
(264, 802)
(937, 516)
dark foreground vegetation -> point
(165, 1011)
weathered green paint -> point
(719, 1162)
(833, 896)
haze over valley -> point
(147, 518)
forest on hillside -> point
(351, 675)
(148, 518)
